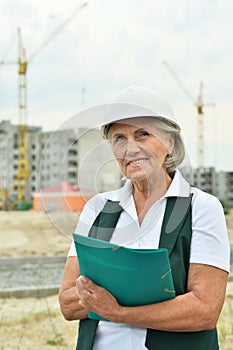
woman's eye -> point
(119, 139)
(143, 134)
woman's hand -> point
(68, 297)
(96, 299)
(194, 311)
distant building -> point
(225, 187)
(9, 156)
(78, 157)
(205, 179)
(229, 185)
(218, 183)
(58, 159)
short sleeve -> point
(210, 243)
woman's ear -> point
(170, 143)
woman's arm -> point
(68, 295)
(197, 310)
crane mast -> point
(21, 180)
(199, 103)
(200, 128)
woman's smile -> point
(135, 163)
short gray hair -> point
(173, 160)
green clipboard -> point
(134, 276)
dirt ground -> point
(37, 324)
(33, 323)
(31, 233)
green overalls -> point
(176, 234)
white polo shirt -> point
(209, 243)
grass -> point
(35, 324)
(38, 324)
(225, 324)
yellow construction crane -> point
(199, 103)
(23, 171)
(23, 162)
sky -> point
(109, 45)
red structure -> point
(61, 197)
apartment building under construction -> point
(72, 156)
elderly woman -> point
(148, 148)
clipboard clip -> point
(169, 290)
(166, 273)
(117, 247)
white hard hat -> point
(140, 101)
(134, 101)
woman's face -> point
(139, 147)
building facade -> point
(9, 157)
(205, 179)
(78, 157)
(218, 183)
(225, 187)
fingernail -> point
(84, 279)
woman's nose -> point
(132, 147)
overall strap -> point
(106, 221)
(86, 334)
(176, 212)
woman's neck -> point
(147, 192)
(152, 187)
